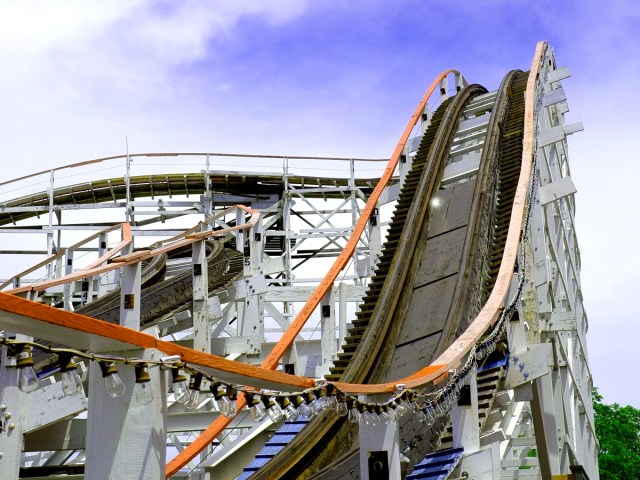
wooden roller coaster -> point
(467, 300)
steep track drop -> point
(383, 344)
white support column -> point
(240, 233)
(12, 416)
(327, 332)
(95, 283)
(126, 440)
(544, 421)
(379, 450)
(464, 416)
(342, 312)
(50, 242)
(130, 296)
(200, 275)
(375, 239)
(68, 269)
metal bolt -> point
(3, 407)
(7, 415)
(11, 426)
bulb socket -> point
(24, 358)
(142, 373)
(65, 359)
(195, 381)
(108, 368)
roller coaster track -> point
(453, 282)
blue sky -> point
(330, 78)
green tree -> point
(618, 431)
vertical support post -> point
(66, 289)
(240, 233)
(426, 119)
(127, 182)
(95, 283)
(12, 403)
(327, 332)
(544, 423)
(354, 214)
(130, 296)
(464, 414)
(342, 312)
(200, 273)
(444, 89)
(126, 440)
(250, 305)
(375, 239)
(50, 243)
(379, 451)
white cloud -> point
(80, 75)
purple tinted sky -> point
(331, 77)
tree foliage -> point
(618, 431)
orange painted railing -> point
(99, 266)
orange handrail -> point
(119, 262)
(62, 319)
(273, 359)
(491, 310)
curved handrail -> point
(273, 359)
(126, 239)
(134, 257)
(494, 305)
(183, 154)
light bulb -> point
(402, 409)
(258, 412)
(71, 382)
(113, 383)
(275, 413)
(368, 418)
(194, 400)
(430, 417)
(222, 401)
(256, 409)
(27, 378)
(354, 415)
(287, 408)
(143, 391)
(227, 407)
(180, 389)
(385, 416)
(319, 402)
(341, 409)
(291, 413)
(305, 410)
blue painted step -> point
(273, 446)
(437, 465)
(501, 362)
